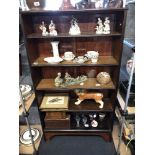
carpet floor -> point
(77, 145)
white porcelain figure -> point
(106, 26)
(98, 4)
(43, 28)
(55, 48)
(99, 28)
(74, 29)
(52, 30)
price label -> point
(36, 4)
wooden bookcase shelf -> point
(94, 11)
(102, 61)
(66, 35)
(88, 106)
(43, 74)
(48, 84)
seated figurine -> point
(58, 80)
(74, 29)
(43, 28)
(52, 30)
(85, 95)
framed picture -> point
(54, 101)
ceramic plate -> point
(68, 59)
(53, 59)
(25, 136)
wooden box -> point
(57, 120)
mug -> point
(92, 54)
(68, 55)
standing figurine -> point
(106, 26)
(43, 28)
(74, 29)
(58, 80)
(52, 30)
(99, 28)
(98, 4)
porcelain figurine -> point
(58, 80)
(85, 95)
(43, 28)
(52, 30)
(98, 4)
(106, 26)
(74, 29)
(68, 80)
(99, 28)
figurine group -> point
(103, 28)
(51, 28)
(89, 120)
(68, 80)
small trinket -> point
(58, 80)
(52, 30)
(74, 29)
(99, 28)
(103, 78)
(106, 26)
(68, 80)
(43, 28)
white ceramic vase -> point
(55, 48)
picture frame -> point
(55, 102)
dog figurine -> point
(85, 95)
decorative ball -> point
(103, 78)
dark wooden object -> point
(110, 50)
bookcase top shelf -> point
(105, 10)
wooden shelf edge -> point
(102, 61)
(28, 104)
(73, 10)
(90, 83)
(24, 149)
(77, 130)
(66, 35)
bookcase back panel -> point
(78, 46)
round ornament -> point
(103, 78)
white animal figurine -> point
(74, 29)
(52, 30)
(106, 26)
(96, 96)
(43, 28)
(99, 28)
